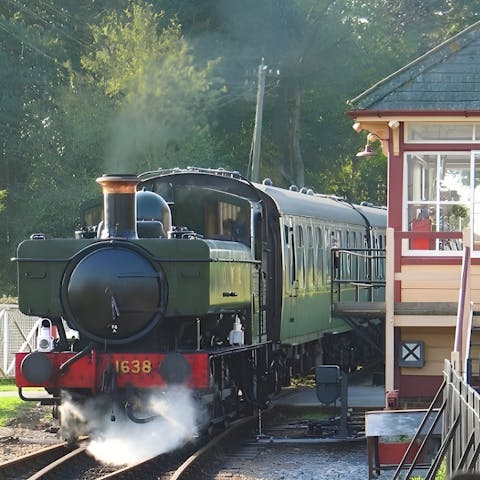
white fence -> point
(17, 334)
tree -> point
(146, 66)
(29, 75)
(3, 196)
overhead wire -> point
(51, 23)
(225, 101)
(29, 44)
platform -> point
(359, 396)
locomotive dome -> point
(152, 207)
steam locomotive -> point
(191, 276)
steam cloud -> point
(124, 442)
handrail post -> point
(389, 309)
(459, 353)
(4, 316)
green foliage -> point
(372, 180)
(163, 97)
(125, 45)
(442, 472)
(440, 475)
(3, 197)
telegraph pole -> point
(257, 132)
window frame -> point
(438, 202)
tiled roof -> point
(445, 78)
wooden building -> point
(427, 118)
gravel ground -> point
(305, 462)
(27, 433)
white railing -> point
(17, 334)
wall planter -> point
(391, 453)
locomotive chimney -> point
(120, 210)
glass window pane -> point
(453, 218)
(422, 176)
(455, 177)
(439, 132)
(421, 217)
(476, 135)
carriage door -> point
(260, 278)
(295, 273)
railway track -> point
(239, 454)
(25, 466)
(64, 461)
(230, 449)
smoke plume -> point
(123, 442)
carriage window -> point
(309, 237)
(319, 261)
(319, 238)
(300, 242)
(294, 257)
(300, 256)
(348, 257)
(310, 258)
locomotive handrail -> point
(40, 260)
(219, 352)
(156, 259)
(208, 260)
(212, 171)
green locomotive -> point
(192, 276)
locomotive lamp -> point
(119, 206)
(236, 336)
(44, 337)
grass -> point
(15, 412)
(12, 407)
(7, 385)
(306, 381)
